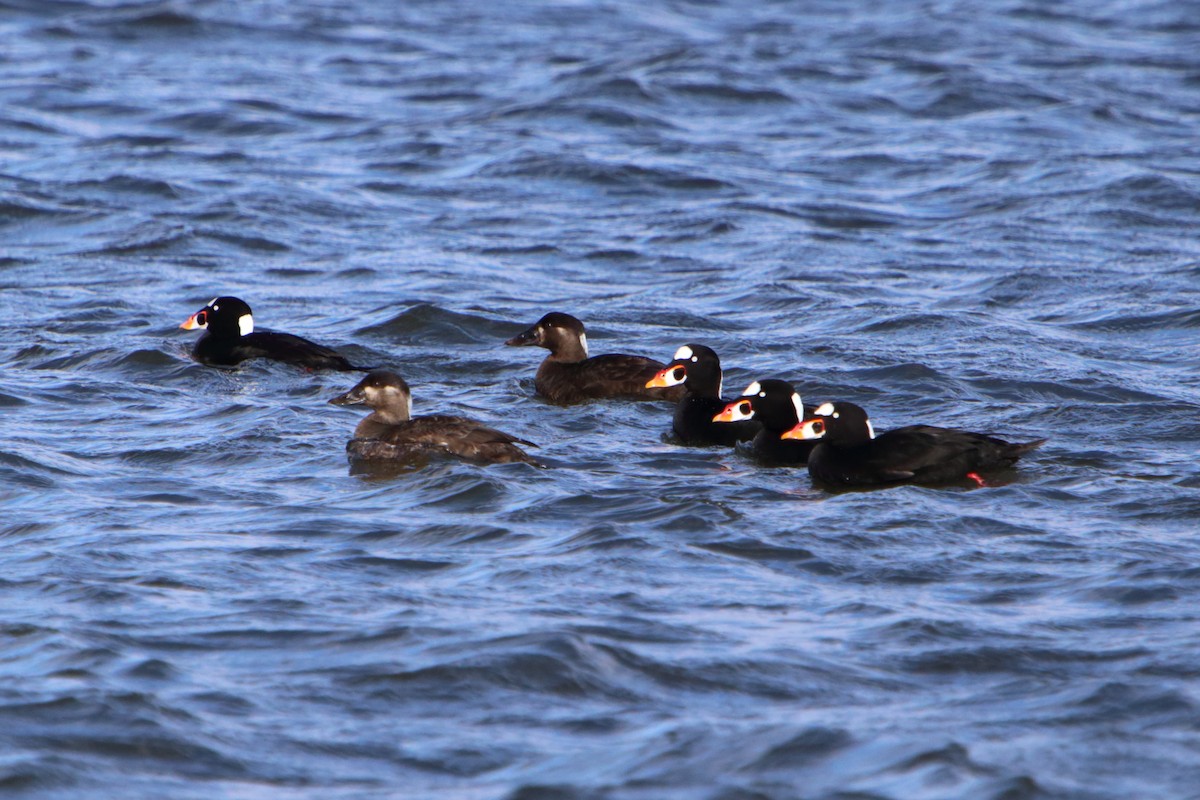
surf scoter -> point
(698, 369)
(568, 376)
(777, 406)
(390, 432)
(848, 453)
(229, 339)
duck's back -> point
(915, 453)
(461, 436)
(285, 347)
(613, 375)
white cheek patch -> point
(870, 429)
(583, 343)
(752, 389)
(799, 406)
(684, 353)
(824, 410)
(246, 324)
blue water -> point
(960, 213)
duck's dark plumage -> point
(777, 407)
(847, 454)
(229, 339)
(569, 376)
(389, 432)
(698, 369)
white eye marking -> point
(799, 406)
(870, 429)
(246, 324)
(684, 352)
(836, 415)
(753, 388)
(583, 342)
(824, 410)
(762, 394)
(216, 308)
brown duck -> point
(391, 433)
(569, 376)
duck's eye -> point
(678, 373)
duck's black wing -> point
(291, 349)
(928, 454)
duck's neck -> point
(567, 347)
(378, 421)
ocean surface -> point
(955, 212)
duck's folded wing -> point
(620, 374)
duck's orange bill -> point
(808, 429)
(659, 381)
(734, 412)
(190, 324)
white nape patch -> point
(870, 429)
(799, 406)
(684, 353)
(824, 410)
(720, 387)
(246, 324)
(752, 389)
(583, 343)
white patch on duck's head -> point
(684, 353)
(799, 406)
(245, 323)
(212, 303)
(753, 389)
(583, 343)
(824, 410)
